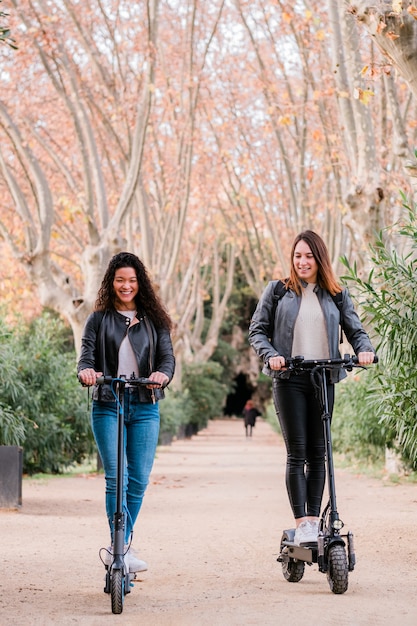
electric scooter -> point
(119, 580)
(334, 551)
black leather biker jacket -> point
(103, 334)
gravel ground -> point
(210, 529)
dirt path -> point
(209, 529)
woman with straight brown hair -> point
(305, 321)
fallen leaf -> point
(366, 95)
(363, 95)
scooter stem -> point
(119, 516)
(329, 451)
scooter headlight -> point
(337, 524)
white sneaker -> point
(306, 533)
(134, 564)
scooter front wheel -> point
(117, 591)
(337, 569)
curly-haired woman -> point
(128, 333)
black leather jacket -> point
(103, 334)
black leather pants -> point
(299, 415)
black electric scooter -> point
(119, 580)
(334, 551)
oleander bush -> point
(43, 407)
(388, 299)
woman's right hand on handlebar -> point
(88, 376)
(277, 362)
(159, 378)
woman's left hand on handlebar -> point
(88, 376)
(159, 377)
(366, 358)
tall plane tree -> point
(99, 122)
(194, 133)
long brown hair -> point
(326, 277)
(146, 299)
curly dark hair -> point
(146, 300)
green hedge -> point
(388, 297)
(43, 407)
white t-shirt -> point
(127, 359)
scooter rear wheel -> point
(337, 569)
(117, 591)
(293, 570)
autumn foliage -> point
(200, 135)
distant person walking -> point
(250, 413)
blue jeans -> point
(141, 431)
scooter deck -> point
(306, 553)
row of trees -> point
(201, 136)
(44, 408)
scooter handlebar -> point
(142, 381)
(299, 362)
